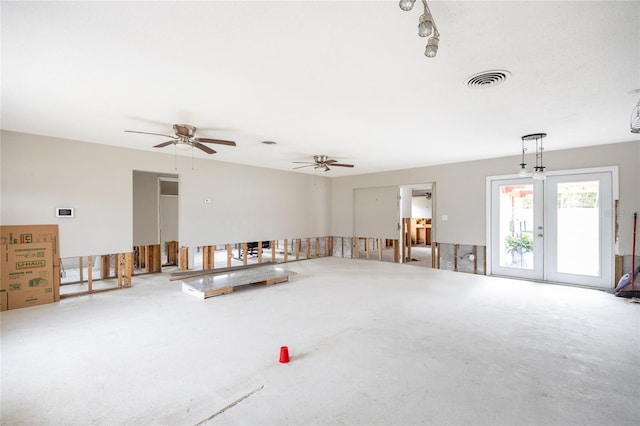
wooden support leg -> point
(273, 251)
(394, 247)
(380, 249)
(229, 255)
(259, 251)
(286, 249)
(105, 269)
(297, 248)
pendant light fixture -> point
(426, 27)
(538, 170)
(523, 166)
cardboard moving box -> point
(30, 234)
(28, 274)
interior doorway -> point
(155, 220)
(168, 219)
(417, 227)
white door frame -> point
(615, 197)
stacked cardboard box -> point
(30, 265)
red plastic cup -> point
(284, 354)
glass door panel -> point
(515, 249)
(579, 246)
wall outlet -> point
(445, 217)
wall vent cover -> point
(487, 79)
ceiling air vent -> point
(488, 79)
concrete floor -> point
(370, 343)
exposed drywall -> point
(461, 194)
(39, 173)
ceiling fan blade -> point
(204, 148)
(300, 167)
(341, 165)
(218, 141)
(303, 162)
(148, 133)
(160, 145)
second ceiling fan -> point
(321, 162)
(185, 134)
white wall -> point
(421, 207)
(461, 193)
(376, 212)
(40, 173)
(145, 207)
(250, 203)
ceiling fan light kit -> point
(426, 27)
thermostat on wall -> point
(64, 212)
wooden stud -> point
(229, 255)
(286, 249)
(184, 258)
(128, 268)
(619, 268)
(119, 268)
(317, 247)
(394, 247)
(244, 253)
(297, 248)
(259, 251)
(105, 269)
(81, 269)
(307, 251)
(455, 257)
(90, 273)
(172, 252)
(380, 249)
(273, 250)
(475, 259)
(367, 242)
(484, 260)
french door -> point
(559, 229)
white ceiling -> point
(346, 78)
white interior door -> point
(559, 229)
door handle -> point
(539, 235)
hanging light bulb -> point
(432, 47)
(425, 28)
(407, 5)
(538, 170)
(523, 166)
